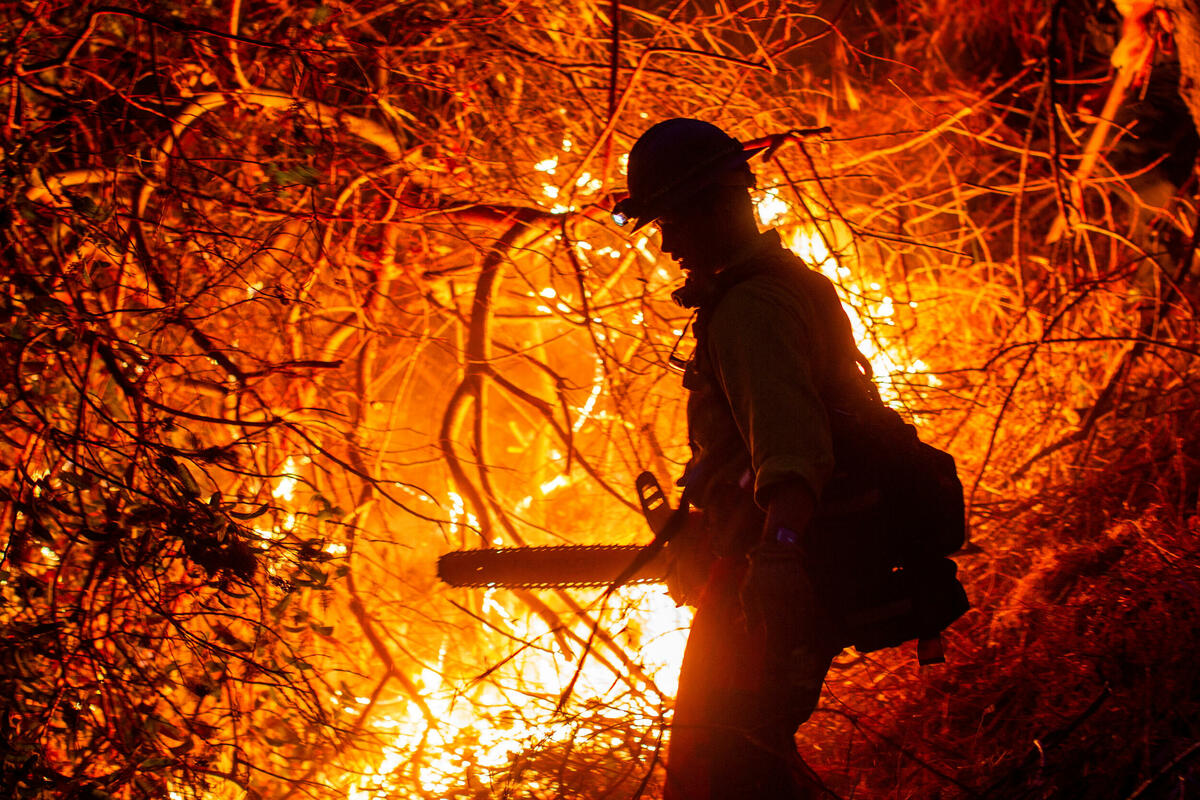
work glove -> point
(778, 598)
(689, 561)
(781, 605)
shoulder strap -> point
(850, 374)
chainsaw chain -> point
(518, 567)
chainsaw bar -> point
(558, 566)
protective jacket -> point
(775, 366)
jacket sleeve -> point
(763, 343)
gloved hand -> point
(777, 596)
(781, 605)
(690, 559)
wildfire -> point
(285, 489)
(472, 730)
(480, 726)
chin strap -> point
(930, 650)
(698, 288)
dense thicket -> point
(300, 295)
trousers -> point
(741, 698)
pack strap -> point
(930, 650)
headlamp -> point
(624, 212)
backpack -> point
(891, 515)
(890, 518)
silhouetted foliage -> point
(299, 296)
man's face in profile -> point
(697, 233)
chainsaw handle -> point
(655, 507)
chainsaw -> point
(561, 566)
(899, 609)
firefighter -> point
(770, 340)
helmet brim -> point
(665, 200)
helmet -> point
(674, 160)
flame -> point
(589, 405)
(459, 514)
(285, 489)
(469, 742)
(861, 302)
(771, 208)
(557, 482)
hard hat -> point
(672, 161)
